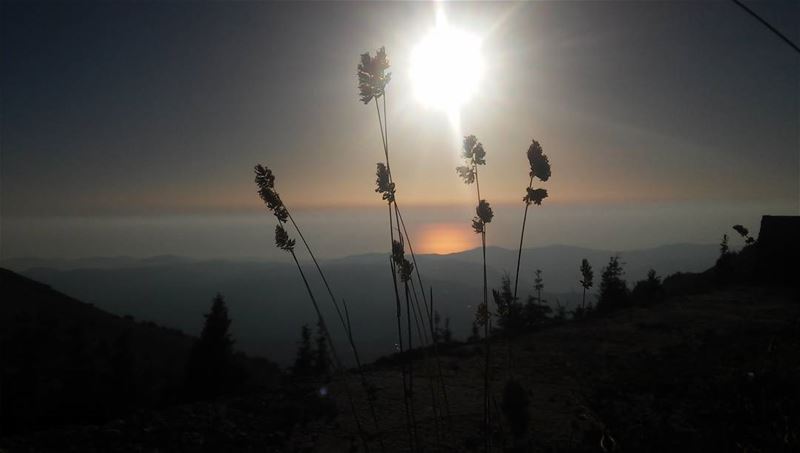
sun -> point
(446, 67)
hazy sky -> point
(132, 128)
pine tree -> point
(587, 280)
(648, 291)
(538, 285)
(305, 355)
(723, 246)
(614, 293)
(723, 269)
(211, 371)
(322, 360)
(509, 310)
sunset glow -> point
(443, 238)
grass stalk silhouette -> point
(283, 242)
(474, 155)
(265, 180)
(539, 168)
(372, 80)
(428, 313)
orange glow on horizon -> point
(443, 238)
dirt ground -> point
(712, 372)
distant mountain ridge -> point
(268, 302)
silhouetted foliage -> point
(539, 168)
(211, 371)
(538, 161)
(587, 279)
(509, 311)
(305, 355)
(282, 240)
(538, 285)
(535, 313)
(322, 360)
(723, 269)
(582, 311)
(484, 215)
(534, 196)
(372, 75)
(404, 266)
(383, 182)
(614, 293)
(745, 233)
(265, 180)
(648, 291)
(372, 82)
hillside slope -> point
(712, 372)
(65, 361)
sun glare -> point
(446, 67)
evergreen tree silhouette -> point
(534, 313)
(211, 371)
(509, 311)
(538, 285)
(723, 269)
(723, 246)
(305, 355)
(587, 280)
(614, 293)
(322, 360)
(648, 291)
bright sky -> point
(155, 111)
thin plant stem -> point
(432, 378)
(486, 403)
(488, 353)
(411, 367)
(345, 325)
(407, 390)
(439, 365)
(516, 278)
(399, 215)
(324, 328)
(402, 361)
(521, 237)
